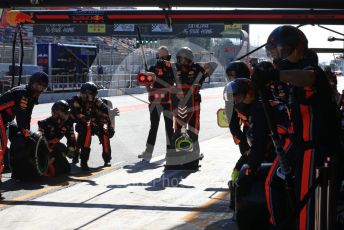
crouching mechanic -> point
(54, 129)
(18, 103)
(92, 117)
(234, 70)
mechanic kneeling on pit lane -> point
(54, 128)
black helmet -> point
(265, 65)
(40, 78)
(88, 91)
(60, 111)
(237, 87)
(89, 88)
(185, 52)
(287, 39)
(60, 105)
(239, 68)
(311, 57)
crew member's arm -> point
(23, 110)
(234, 127)
(298, 77)
(44, 129)
(75, 106)
(104, 113)
(71, 140)
(204, 75)
(170, 74)
(70, 135)
(238, 135)
(102, 107)
(260, 139)
(42, 126)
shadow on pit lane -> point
(63, 180)
(171, 179)
(110, 207)
(225, 224)
(142, 166)
(216, 189)
(105, 206)
(168, 179)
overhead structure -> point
(306, 4)
(176, 16)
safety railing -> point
(73, 82)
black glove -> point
(261, 77)
(111, 132)
(71, 152)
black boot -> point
(107, 159)
(231, 186)
(84, 156)
(76, 157)
(7, 168)
(75, 160)
(84, 166)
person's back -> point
(14, 99)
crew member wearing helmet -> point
(314, 124)
(237, 69)
(189, 79)
(250, 109)
(54, 128)
(92, 117)
(234, 70)
(18, 103)
(160, 101)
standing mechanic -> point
(314, 125)
(160, 101)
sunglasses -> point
(166, 57)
